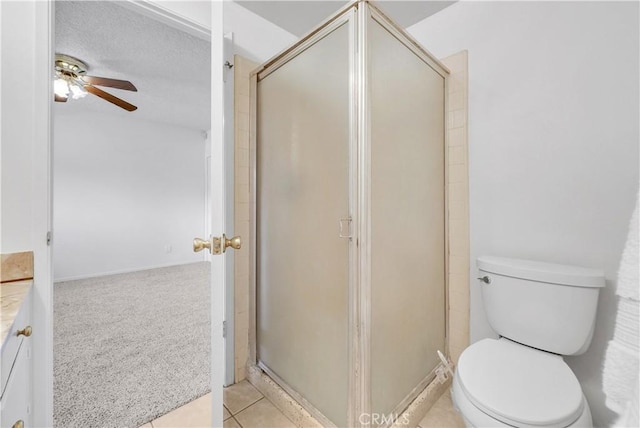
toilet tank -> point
(543, 305)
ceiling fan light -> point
(61, 87)
(77, 91)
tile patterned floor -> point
(442, 414)
(246, 407)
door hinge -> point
(224, 329)
(49, 238)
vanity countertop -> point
(12, 295)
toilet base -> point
(476, 418)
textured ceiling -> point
(299, 17)
(170, 68)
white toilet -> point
(541, 311)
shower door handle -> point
(348, 235)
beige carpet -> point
(130, 347)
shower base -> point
(299, 415)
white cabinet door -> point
(16, 400)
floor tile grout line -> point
(245, 408)
(234, 418)
(278, 409)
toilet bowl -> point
(541, 311)
(500, 383)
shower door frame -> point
(431, 61)
(356, 15)
(345, 16)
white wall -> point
(198, 11)
(17, 139)
(124, 189)
(254, 37)
(553, 140)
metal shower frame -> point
(356, 15)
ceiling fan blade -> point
(111, 98)
(60, 99)
(111, 83)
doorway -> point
(129, 195)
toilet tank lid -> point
(543, 272)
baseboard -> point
(116, 272)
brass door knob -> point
(217, 245)
(19, 424)
(235, 242)
(201, 244)
(26, 332)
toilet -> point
(541, 311)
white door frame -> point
(42, 362)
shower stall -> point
(349, 254)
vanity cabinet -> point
(15, 401)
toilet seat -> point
(518, 385)
(475, 418)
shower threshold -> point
(303, 414)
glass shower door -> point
(302, 190)
(407, 219)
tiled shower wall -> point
(241, 69)
(458, 195)
(458, 216)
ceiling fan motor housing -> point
(70, 66)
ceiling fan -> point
(71, 80)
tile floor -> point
(442, 414)
(246, 407)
